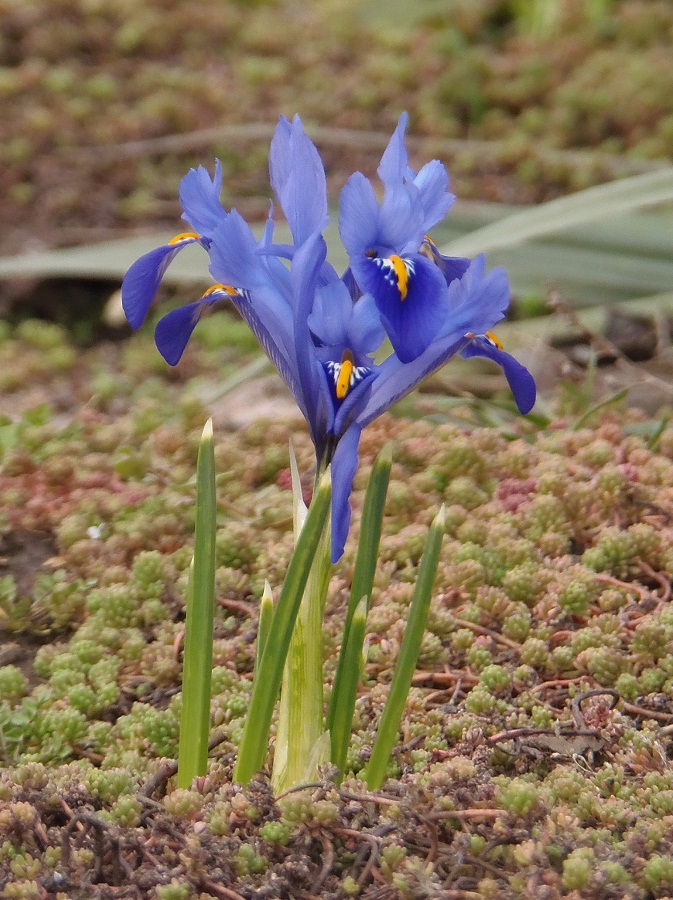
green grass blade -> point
(363, 580)
(198, 653)
(604, 201)
(253, 749)
(386, 735)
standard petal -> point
(394, 165)
(358, 215)
(344, 465)
(365, 329)
(432, 183)
(412, 298)
(394, 227)
(401, 221)
(521, 382)
(331, 313)
(298, 178)
(142, 280)
(200, 199)
(237, 258)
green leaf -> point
(198, 653)
(266, 685)
(603, 202)
(339, 720)
(386, 736)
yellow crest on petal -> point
(185, 236)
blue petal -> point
(358, 215)
(478, 300)
(298, 179)
(394, 166)
(238, 259)
(200, 199)
(331, 313)
(174, 330)
(344, 465)
(477, 297)
(451, 267)
(306, 266)
(395, 379)
(142, 280)
(520, 380)
(432, 183)
(266, 299)
(340, 324)
(365, 330)
(348, 411)
(412, 313)
(401, 221)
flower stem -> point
(198, 654)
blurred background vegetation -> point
(106, 103)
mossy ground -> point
(534, 752)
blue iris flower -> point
(322, 331)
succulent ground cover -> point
(534, 754)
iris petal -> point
(174, 330)
(358, 215)
(265, 303)
(518, 377)
(432, 183)
(365, 331)
(477, 301)
(394, 165)
(451, 267)
(344, 465)
(477, 297)
(330, 316)
(142, 280)
(413, 306)
(306, 266)
(298, 179)
(200, 199)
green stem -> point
(386, 735)
(198, 653)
